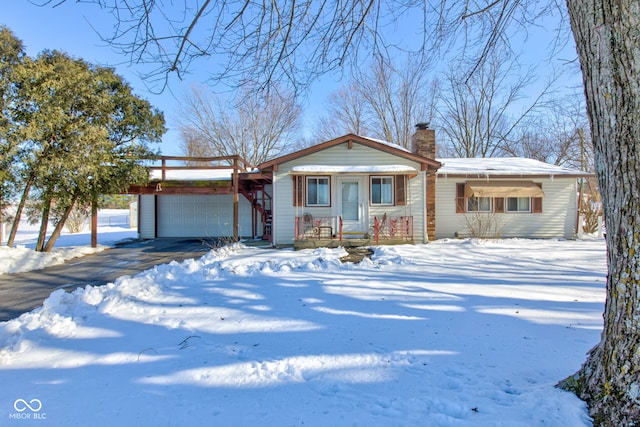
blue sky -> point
(68, 27)
(71, 27)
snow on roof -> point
(193, 174)
(353, 169)
(516, 166)
(507, 166)
(387, 143)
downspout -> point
(138, 214)
(273, 207)
(579, 207)
(425, 231)
(410, 203)
(155, 216)
(235, 199)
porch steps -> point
(346, 243)
(355, 255)
(355, 235)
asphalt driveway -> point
(22, 292)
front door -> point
(351, 206)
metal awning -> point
(503, 189)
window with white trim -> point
(479, 204)
(318, 191)
(381, 190)
(518, 204)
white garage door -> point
(200, 216)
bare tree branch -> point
(382, 101)
(476, 114)
(260, 127)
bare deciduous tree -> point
(607, 34)
(288, 43)
(261, 126)
(397, 96)
(381, 100)
(294, 41)
(475, 113)
(557, 134)
(345, 112)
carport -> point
(189, 197)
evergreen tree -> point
(11, 55)
(84, 132)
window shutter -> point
(401, 190)
(298, 190)
(460, 199)
(499, 204)
(537, 204)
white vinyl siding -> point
(557, 220)
(147, 213)
(359, 155)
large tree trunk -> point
(44, 222)
(59, 226)
(607, 34)
(16, 219)
(1, 221)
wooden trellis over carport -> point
(225, 175)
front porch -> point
(328, 232)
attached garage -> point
(202, 197)
(193, 216)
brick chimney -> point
(423, 143)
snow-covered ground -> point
(113, 226)
(452, 333)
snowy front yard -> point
(453, 333)
(113, 226)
